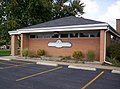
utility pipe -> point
(108, 29)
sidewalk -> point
(87, 65)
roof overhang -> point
(61, 28)
(14, 32)
(113, 31)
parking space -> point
(107, 81)
(12, 63)
(29, 75)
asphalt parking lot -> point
(28, 75)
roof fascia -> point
(61, 28)
(115, 33)
(52, 30)
(13, 32)
(112, 30)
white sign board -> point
(59, 44)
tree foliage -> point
(74, 7)
(15, 14)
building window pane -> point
(73, 35)
(64, 35)
(84, 34)
(32, 36)
(39, 35)
(95, 34)
(47, 36)
(55, 36)
(98, 34)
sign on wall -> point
(59, 44)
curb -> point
(5, 59)
(82, 68)
(48, 64)
(115, 71)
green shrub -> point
(25, 52)
(91, 55)
(113, 61)
(77, 55)
(40, 52)
(18, 53)
(114, 51)
(5, 52)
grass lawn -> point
(6, 52)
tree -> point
(15, 14)
(29, 12)
(75, 7)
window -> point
(74, 35)
(64, 35)
(47, 36)
(32, 36)
(39, 36)
(55, 36)
(84, 34)
(95, 34)
(67, 35)
(90, 34)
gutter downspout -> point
(105, 46)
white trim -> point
(64, 27)
(114, 33)
(61, 28)
(52, 30)
(14, 32)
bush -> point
(40, 52)
(77, 55)
(91, 55)
(114, 51)
(4, 52)
(25, 52)
(113, 61)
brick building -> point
(61, 37)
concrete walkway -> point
(87, 66)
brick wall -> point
(14, 45)
(24, 42)
(83, 44)
(118, 25)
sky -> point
(102, 10)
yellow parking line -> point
(90, 82)
(15, 66)
(33, 75)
